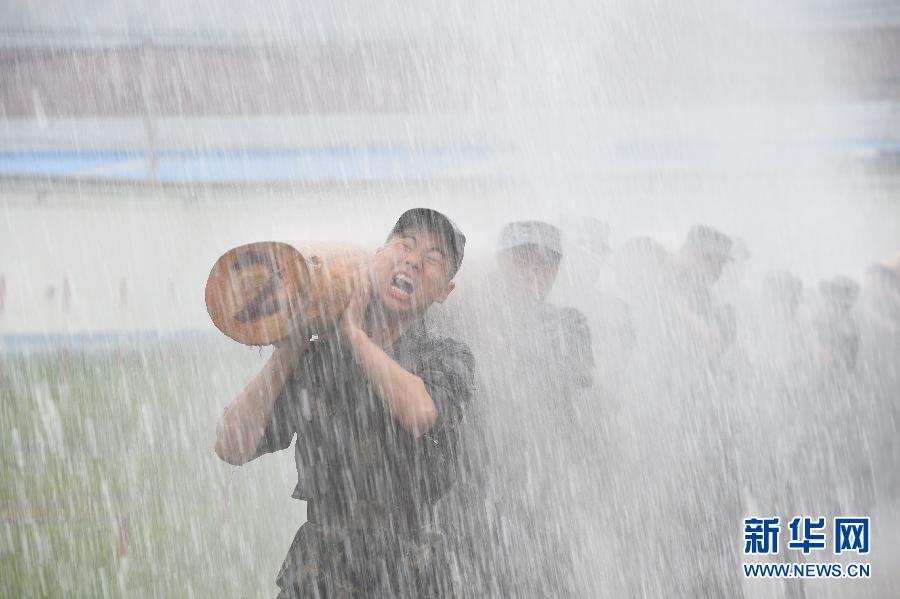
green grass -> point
(88, 440)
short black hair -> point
(436, 222)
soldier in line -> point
(701, 261)
(836, 327)
(677, 434)
(609, 317)
(880, 322)
(538, 360)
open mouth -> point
(403, 283)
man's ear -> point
(446, 293)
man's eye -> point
(433, 259)
(407, 246)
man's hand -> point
(351, 325)
(294, 345)
(403, 393)
(243, 423)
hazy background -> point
(140, 140)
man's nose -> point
(414, 259)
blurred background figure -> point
(642, 271)
(775, 340)
(879, 313)
(782, 293)
(141, 140)
(529, 258)
(837, 329)
(827, 421)
(881, 300)
(609, 317)
(730, 286)
(771, 393)
(704, 255)
(684, 408)
(701, 261)
(517, 541)
(585, 283)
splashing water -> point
(132, 157)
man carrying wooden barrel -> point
(376, 405)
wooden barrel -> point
(263, 292)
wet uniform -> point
(371, 486)
(512, 534)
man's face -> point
(410, 272)
(531, 269)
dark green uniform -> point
(371, 486)
(509, 518)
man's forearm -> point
(243, 423)
(402, 392)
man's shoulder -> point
(434, 343)
(570, 313)
(564, 316)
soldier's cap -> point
(842, 290)
(438, 223)
(702, 239)
(530, 232)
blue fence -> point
(318, 164)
